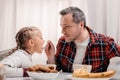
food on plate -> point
(43, 68)
(51, 67)
(106, 74)
(83, 73)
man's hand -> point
(50, 52)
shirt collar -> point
(93, 36)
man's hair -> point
(77, 14)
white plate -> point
(43, 76)
(73, 78)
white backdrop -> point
(102, 15)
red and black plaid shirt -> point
(99, 51)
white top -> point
(16, 62)
(81, 48)
(39, 58)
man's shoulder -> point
(105, 37)
(99, 36)
(62, 38)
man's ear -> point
(82, 24)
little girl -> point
(29, 41)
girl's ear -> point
(31, 42)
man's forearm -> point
(51, 60)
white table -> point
(62, 76)
(20, 78)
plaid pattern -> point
(98, 53)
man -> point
(80, 44)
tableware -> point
(43, 76)
(115, 65)
(78, 66)
(73, 78)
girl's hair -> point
(22, 36)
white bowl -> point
(43, 76)
(78, 66)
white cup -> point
(78, 66)
(115, 65)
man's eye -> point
(66, 26)
(41, 38)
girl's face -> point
(37, 41)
